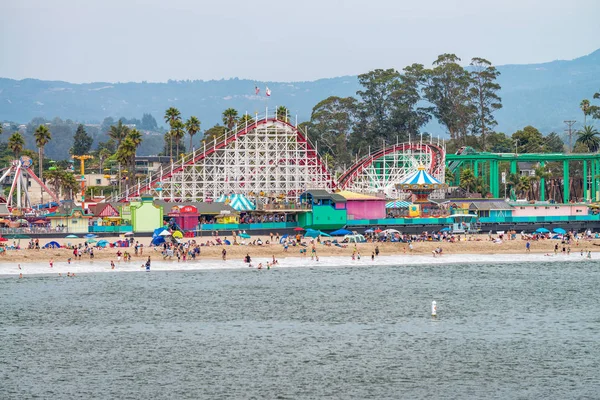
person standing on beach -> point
(528, 247)
(224, 254)
(377, 251)
(112, 264)
(51, 263)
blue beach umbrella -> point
(90, 236)
(341, 232)
(445, 229)
(71, 237)
(560, 231)
(370, 230)
(541, 230)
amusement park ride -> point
(21, 171)
(274, 157)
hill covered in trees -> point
(542, 95)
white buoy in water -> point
(433, 309)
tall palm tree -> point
(589, 137)
(118, 132)
(192, 126)
(103, 155)
(230, 118)
(136, 137)
(171, 115)
(245, 119)
(42, 137)
(585, 107)
(283, 113)
(468, 181)
(16, 143)
(512, 181)
(126, 157)
(177, 133)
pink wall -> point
(365, 209)
(549, 210)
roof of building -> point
(320, 194)
(69, 209)
(104, 210)
(490, 205)
(348, 195)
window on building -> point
(98, 181)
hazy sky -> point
(156, 40)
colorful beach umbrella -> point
(244, 236)
(560, 231)
(71, 237)
(541, 230)
(341, 232)
(177, 234)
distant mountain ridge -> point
(543, 95)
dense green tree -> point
(192, 125)
(217, 133)
(498, 142)
(590, 138)
(375, 108)
(330, 125)
(148, 123)
(407, 116)
(484, 96)
(63, 182)
(126, 157)
(230, 118)
(82, 142)
(530, 140)
(110, 145)
(16, 143)
(447, 89)
(554, 143)
(42, 137)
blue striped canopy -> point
(397, 204)
(238, 202)
(421, 177)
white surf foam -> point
(103, 266)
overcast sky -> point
(157, 40)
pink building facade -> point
(548, 210)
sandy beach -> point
(474, 245)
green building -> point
(328, 210)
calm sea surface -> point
(509, 331)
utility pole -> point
(569, 131)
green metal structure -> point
(486, 165)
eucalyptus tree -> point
(484, 96)
(447, 88)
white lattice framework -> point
(265, 158)
(381, 171)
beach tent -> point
(238, 202)
(341, 232)
(51, 245)
(283, 238)
(158, 237)
(244, 236)
(102, 243)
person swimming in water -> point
(112, 264)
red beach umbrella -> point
(298, 229)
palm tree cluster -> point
(63, 182)
(178, 129)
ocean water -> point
(515, 329)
